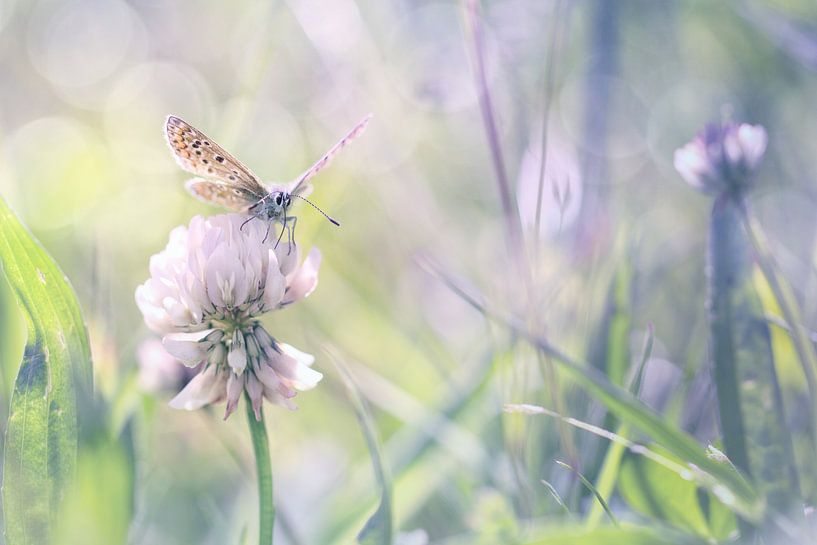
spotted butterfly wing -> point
(301, 185)
(224, 179)
(231, 197)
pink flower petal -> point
(275, 283)
(235, 385)
(292, 366)
(256, 392)
(304, 280)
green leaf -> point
(52, 392)
(659, 493)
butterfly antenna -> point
(313, 205)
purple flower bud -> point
(722, 157)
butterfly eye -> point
(287, 201)
(279, 199)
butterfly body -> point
(225, 181)
(272, 207)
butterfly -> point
(224, 180)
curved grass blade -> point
(609, 472)
(592, 489)
(379, 528)
(52, 391)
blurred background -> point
(86, 86)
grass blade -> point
(379, 528)
(609, 472)
(592, 489)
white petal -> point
(206, 387)
(303, 357)
(237, 358)
(304, 280)
(293, 371)
(275, 283)
(288, 257)
(275, 397)
(188, 347)
(753, 142)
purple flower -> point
(722, 157)
(207, 289)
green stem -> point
(260, 445)
(727, 268)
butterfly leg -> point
(269, 225)
(281, 235)
(293, 221)
(248, 220)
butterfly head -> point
(276, 204)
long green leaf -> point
(52, 391)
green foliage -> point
(378, 529)
(52, 391)
(661, 494)
(631, 535)
(103, 485)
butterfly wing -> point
(229, 196)
(198, 154)
(301, 185)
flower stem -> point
(260, 445)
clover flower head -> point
(206, 292)
(722, 157)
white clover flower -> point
(722, 157)
(206, 291)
